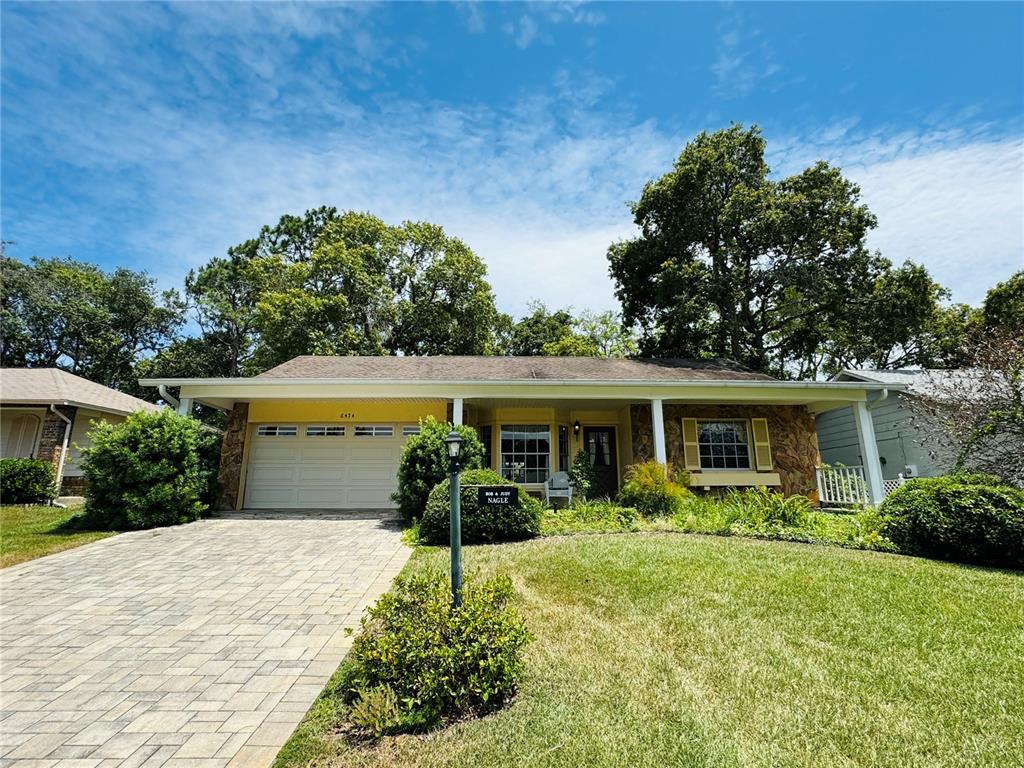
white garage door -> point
(324, 466)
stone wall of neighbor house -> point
(229, 475)
(790, 428)
(51, 439)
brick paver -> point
(201, 644)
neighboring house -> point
(46, 413)
(902, 447)
(328, 432)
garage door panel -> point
(332, 454)
(263, 498)
(373, 498)
(269, 474)
(312, 496)
(281, 449)
(323, 473)
(363, 453)
(364, 473)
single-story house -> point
(903, 447)
(327, 432)
(46, 413)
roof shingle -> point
(445, 368)
(52, 385)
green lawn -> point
(30, 532)
(681, 650)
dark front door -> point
(600, 444)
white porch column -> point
(869, 451)
(457, 411)
(185, 406)
(658, 422)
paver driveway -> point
(195, 645)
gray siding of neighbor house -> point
(898, 441)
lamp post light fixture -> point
(454, 445)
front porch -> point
(720, 445)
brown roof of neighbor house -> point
(444, 368)
(45, 386)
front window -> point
(723, 445)
(525, 452)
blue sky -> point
(155, 136)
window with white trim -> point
(325, 430)
(525, 452)
(723, 444)
(410, 429)
(276, 430)
(374, 430)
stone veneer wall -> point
(790, 428)
(52, 440)
(229, 475)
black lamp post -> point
(454, 444)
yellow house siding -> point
(344, 411)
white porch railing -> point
(848, 486)
(842, 486)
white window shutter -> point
(691, 450)
(762, 444)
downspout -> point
(64, 445)
(167, 396)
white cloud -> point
(952, 200)
(744, 61)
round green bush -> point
(968, 518)
(27, 481)
(151, 469)
(480, 524)
(424, 463)
(650, 490)
(420, 660)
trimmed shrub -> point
(27, 481)
(969, 518)
(419, 660)
(480, 524)
(582, 474)
(424, 463)
(651, 491)
(152, 469)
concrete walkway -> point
(198, 645)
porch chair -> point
(558, 486)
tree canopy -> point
(330, 283)
(773, 273)
(72, 315)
